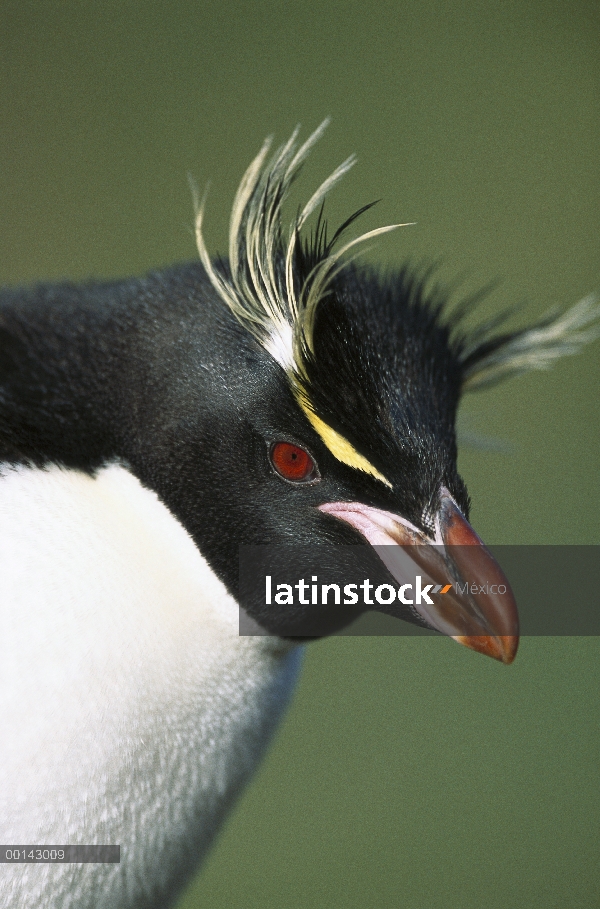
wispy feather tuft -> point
(487, 359)
(263, 289)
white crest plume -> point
(263, 291)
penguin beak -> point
(470, 598)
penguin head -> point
(377, 441)
(341, 390)
(311, 402)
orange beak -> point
(468, 596)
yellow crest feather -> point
(340, 447)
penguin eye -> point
(293, 463)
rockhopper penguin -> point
(147, 429)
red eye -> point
(292, 462)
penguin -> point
(284, 395)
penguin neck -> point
(61, 375)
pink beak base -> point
(483, 621)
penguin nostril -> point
(293, 463)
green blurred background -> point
(409, 772)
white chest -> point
(131, 712)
